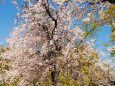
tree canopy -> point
(52, 44)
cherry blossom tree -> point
(46, 31)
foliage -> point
(110, 18)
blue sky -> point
(102, 38)
(8, 14)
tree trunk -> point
(34, 84)
(54, 76)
